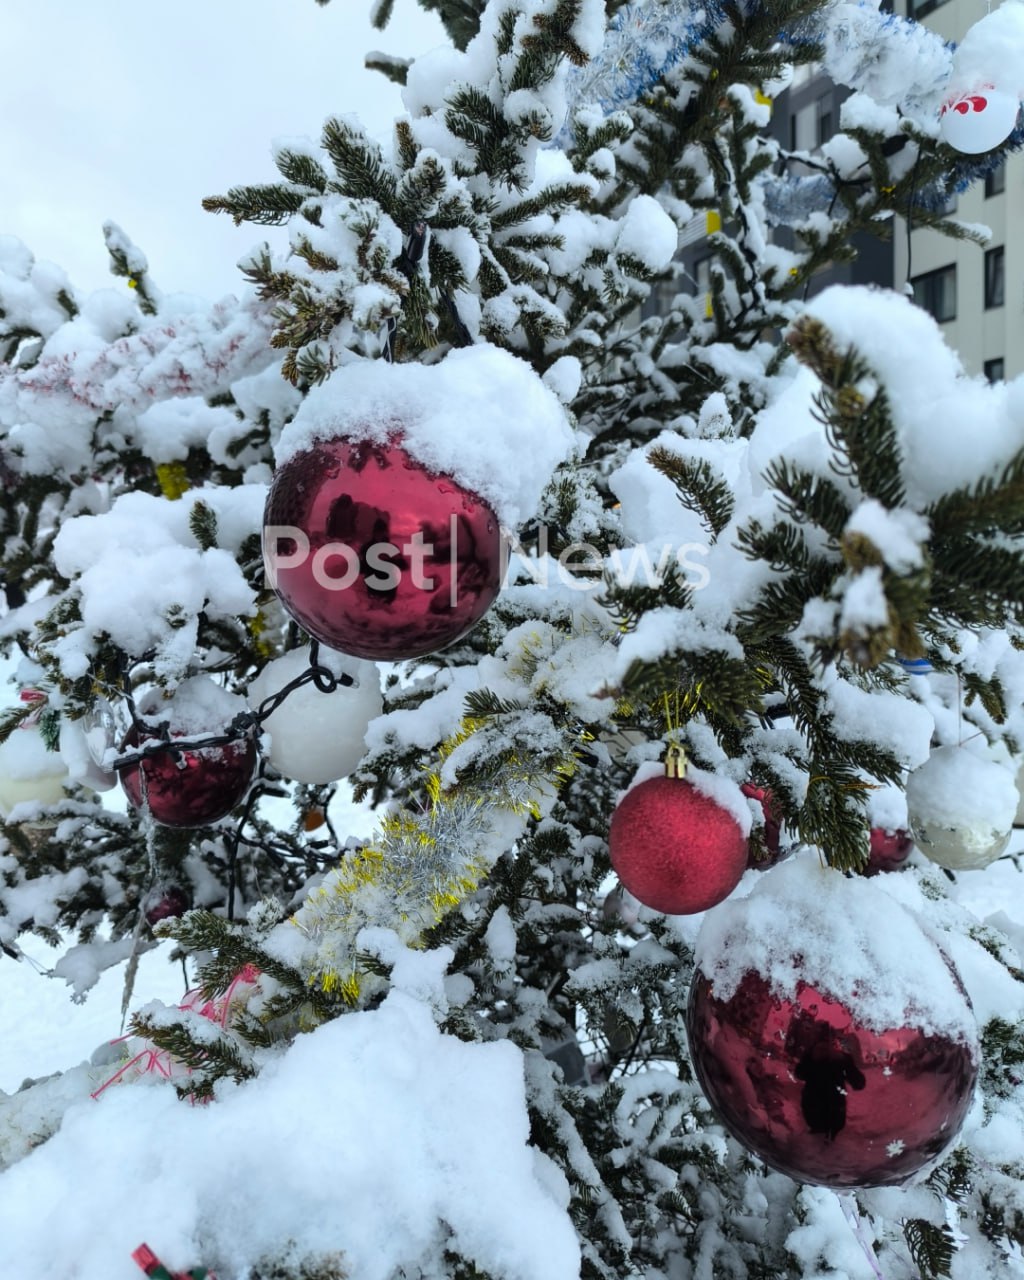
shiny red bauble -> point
(188, 788)
(818, 1097)
(376, 556)
(674, 848)
(166, 903)
(889, 850)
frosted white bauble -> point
(77, 745)
(318, 737)
(961, 808)
(29, 773)
(979, 120)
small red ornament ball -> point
(889, 850)
(188, 788)
(818, 1097)
(674, 848)
(167, 903)
(376, 556)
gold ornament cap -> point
(675, 761)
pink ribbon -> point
(216, 1010)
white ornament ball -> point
(317, 737)
(961, 808)
(978, 121)
(29, 773)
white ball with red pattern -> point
(978, 120)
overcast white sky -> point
(136, 109)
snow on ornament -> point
(961, 808)
(679, 844)
(29, 772)
(188, 786)
(382, 529)
(828, 1032)
(979, 120)
(317, 737)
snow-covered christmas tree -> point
(679, 658)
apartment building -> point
(803, 117)
(976, 293)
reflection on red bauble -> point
(375, 555)
(799, 1083)
(674, 848)
(188, 788)
(889, 850)
(167, 903)
(767, 851)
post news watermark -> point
(384, 566)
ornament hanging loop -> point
(675, 753)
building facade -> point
(976, 293)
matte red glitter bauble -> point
(799, 1083)
(375, 555)
(889, 850)
(674, 848)
(189, 788)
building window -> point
(935, 291)
(994, 369)
(995, 180)
(812, 125)
(660, 299)
(949, 204)
(805, 73)
(995, 277)
(918, 9)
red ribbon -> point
(156, 1270)
(217, 1010)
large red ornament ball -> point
(819, 1097)
(376, 556)
(815, 1050)
(675, 848)
(188, 788)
